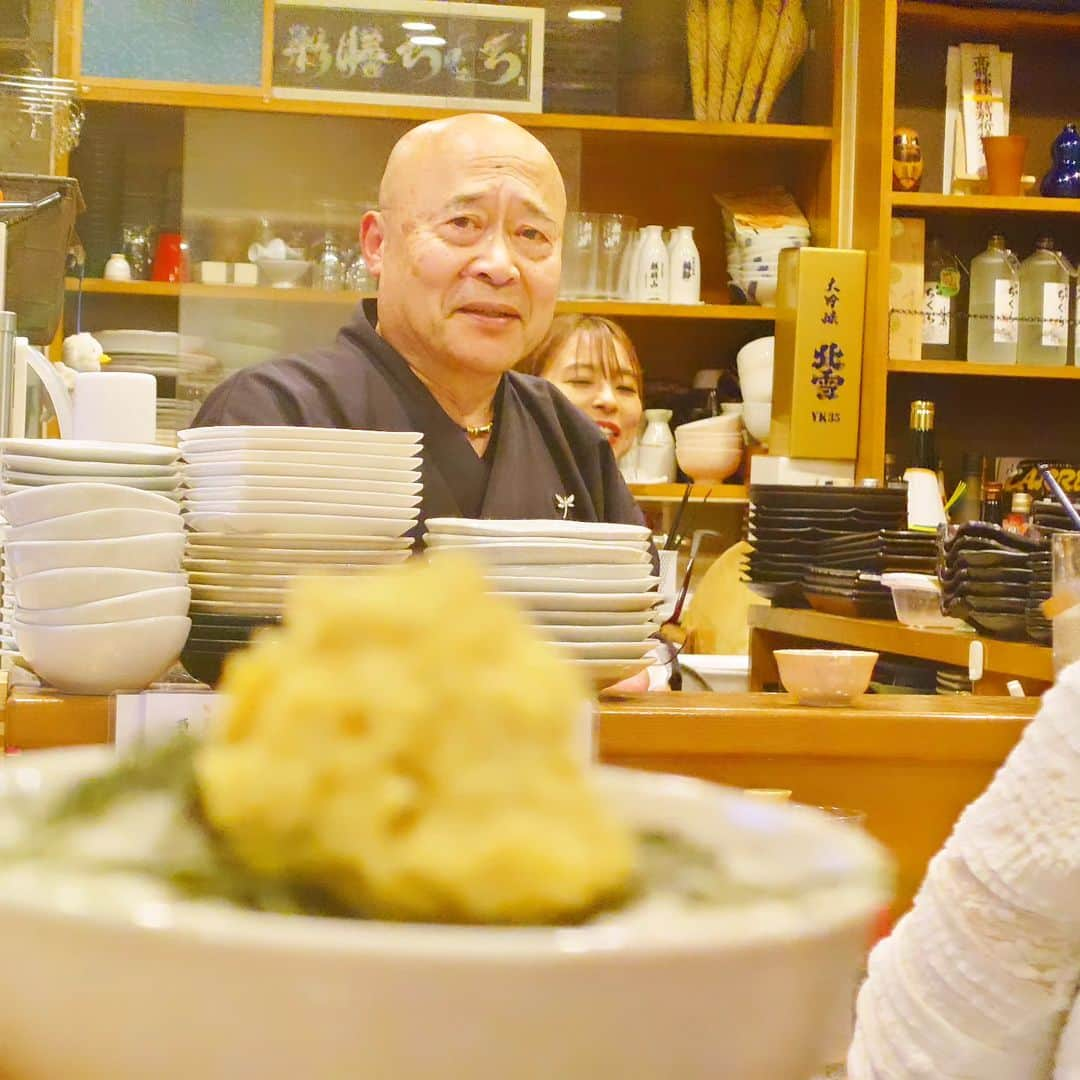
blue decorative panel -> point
(196, 41)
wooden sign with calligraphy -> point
(410, 52)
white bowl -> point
(758, 418)
(722, 439)
(825, 676)
(708, 463)
(282, 273)
(87, 584)
(100, 658)
(721, 674)
(159, 551)
(148, 604)
(108, 524)
(39, 504)
(755, 363)
(615, 999)
(725, 422)
(729, 408)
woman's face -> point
(611, 399)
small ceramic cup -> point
(1004, 163)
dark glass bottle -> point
(921, 427)
(991, 507)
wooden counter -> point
(785, 628)
(911, 763)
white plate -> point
(517, 583)
(565, 617)
(554, 546)
(628, 572)
(294, 488)
(626, 651)
(330, 562)
(612, 671)
(262, 580)
(244, 473)
(236, 545)
(44, 466)
(108, 523)
(150, 342)
(535, 528)
(385, 457)
(226, 607)
(82, 450)
(305, 524)
(380, 506)
(550, 553)
(39, 504)
(214, 448)
(600, 635)
(598, 602)
(195, 438)
(18, 481)
(236, 595)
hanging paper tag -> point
(1005, 290)
(1055, 315)
(937, 311)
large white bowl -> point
(100, 658)
(755, 363)
(728, 422)
(758, 417)
(108, 524)
(703, 464)
(825, 676)
(282, 273)
(39, 504)
(746, 992)
(159, 551)
(148, 604)
(87, 584)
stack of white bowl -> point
(93, 570)
(264, 504)
(755, 364)
(710, 450)
(589, 587)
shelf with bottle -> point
(963, 368)
(720, 309)
(932, 202)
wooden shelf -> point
(952, 647)
(1001, 22)
(615, 308)
(148, 94)
(990, 204)
(699, 493)
(962, 368)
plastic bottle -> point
(1043, 335)
(993, 305)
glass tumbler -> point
(1066, 563)
(580, 255)
(616, 232)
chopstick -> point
(1055, 488)
(673, 537)
(1067, 598)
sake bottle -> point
(992, 308)
(941, 302)
(1043, 335)
(684, 267)
(653, 266)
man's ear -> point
(372, 240)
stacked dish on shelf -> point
(93, 574)
(588, 587)
(755, 362)
(264, 504)
(986, 574)
(184, 378)
(710, 450)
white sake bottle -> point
(653, 267)
(1043, 337)
(993, 305)
(684, 270)
(656, 451)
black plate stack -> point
(1049, 516)
(986, 575)
(213, 637)
(1039, 627)
(953, 681)
(800, 535)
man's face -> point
(468, 255)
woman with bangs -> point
(594, 363)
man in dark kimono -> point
(466, 245)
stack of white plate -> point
(266, 503)
(184, 376)
(93, 586)
(589, 587)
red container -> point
(170, 258)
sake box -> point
(817, 371)
(906, 297)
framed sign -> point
(410, 52)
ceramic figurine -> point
(1063, 179)
(907, 160)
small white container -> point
(656, 452)
(684, 267)
(117, 268)
(652, 270)
(917, 599)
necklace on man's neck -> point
(479, 430)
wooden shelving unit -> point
(962, 369)
(699, 493)
(929, 202)
(1002, 22)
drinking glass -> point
(616, 231)
(580, 255)
(1066, 563)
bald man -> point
(466, 246)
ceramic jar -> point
(652, 268)
(656, 451)
(684, 277)
(1063, 179)
(117, 268)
